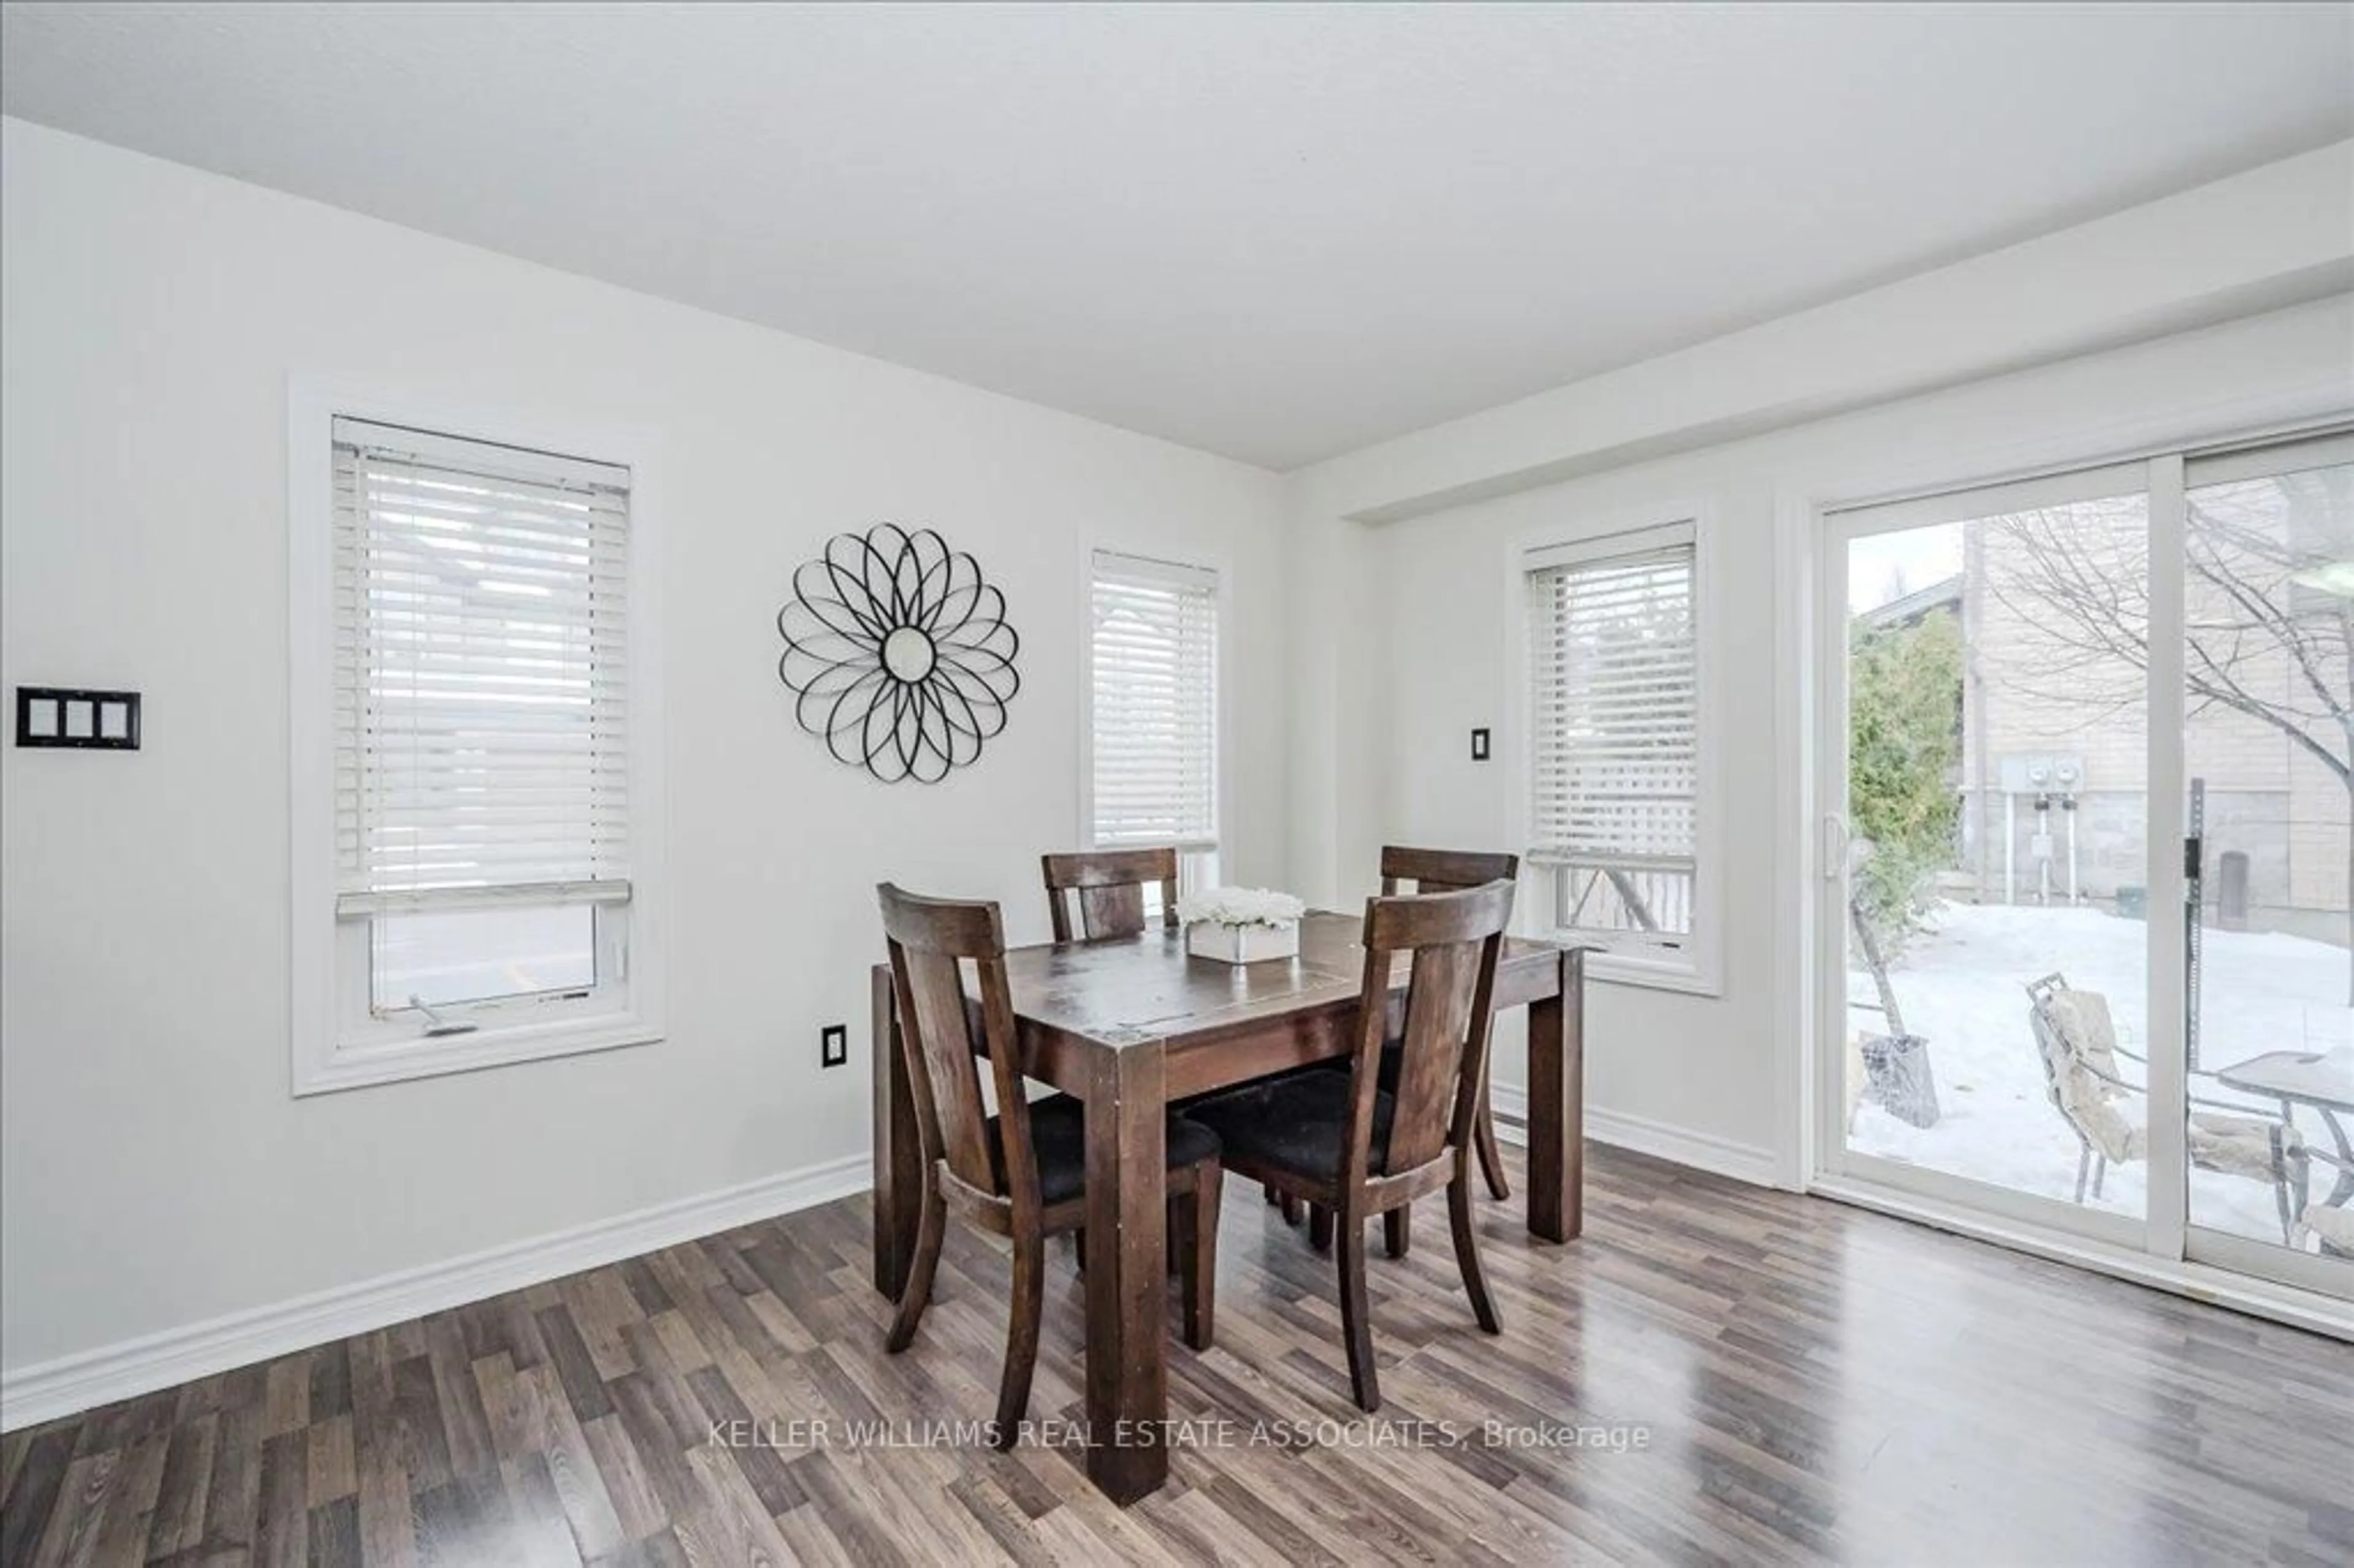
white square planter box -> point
(1242, 944)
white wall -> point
(1399, 582)
(1711, 1078)
(155, 1171)
(2271, 236)
(2277, 235)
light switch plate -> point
(1479, 745)
(70, 718)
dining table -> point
(1130, 1025)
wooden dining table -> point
(1131, 1024)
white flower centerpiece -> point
(1241, 925)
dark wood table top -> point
(1125, 991)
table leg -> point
(1127, 1377)
(898, 1149)
(1557, 1107)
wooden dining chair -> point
(1109, 887)
(1355, 1150)
(1451, 871)
(1020, 1174)
(1432, 871)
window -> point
(1153, 696)
(479, 755)
(1615, 746)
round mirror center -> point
(907, 654)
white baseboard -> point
(91, 1378)
(1700, 1150)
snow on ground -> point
(1962, 988)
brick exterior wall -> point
(2027, 692)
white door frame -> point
(2163, 805)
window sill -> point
(1649, 974)
(353, 1067)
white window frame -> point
(1695, 964)
(338, 1040)
(1198, 865)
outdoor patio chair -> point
(2077, 1042)
(2331, 1226)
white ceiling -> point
(1273, 232)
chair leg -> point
(1289, 1205)
(2290, 1177)
(1491, 1155)
(1356, 1328)
(1021, 1338)
(1320, 1227)
(929, 1234)
(2100, 1172)
(1398, 1230)
(1200, 1233)
(2083, 1169)
(1467, 1252)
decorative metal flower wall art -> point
(900, 655)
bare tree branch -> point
(2078, 578)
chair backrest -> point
(1444, 870)
(1109, 885)
(1455, 939)
(931, 939)
(2075, 1040)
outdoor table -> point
(2321, 1079)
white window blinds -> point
(482, 712)
(1155, 697)
(1614, 733)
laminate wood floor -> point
(1808, 1383)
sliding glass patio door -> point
(1988, 874)
(2268, 624)
(2083, 911)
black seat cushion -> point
(1058, 1135)
(1294, 1123)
